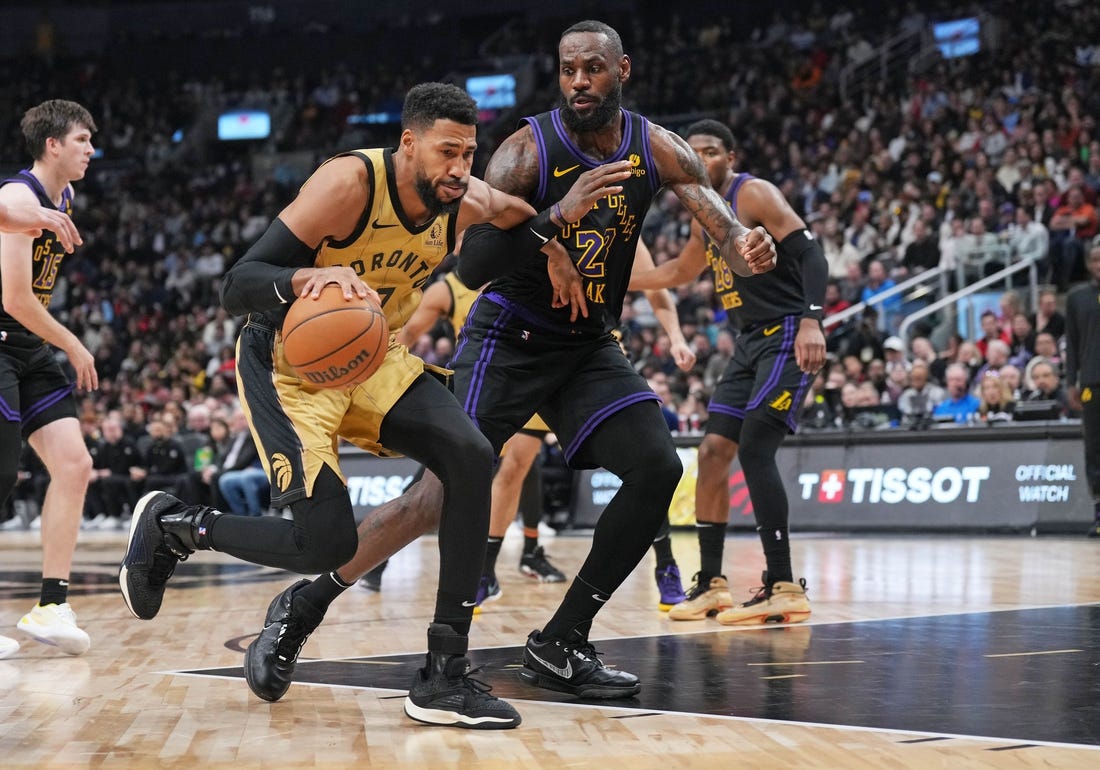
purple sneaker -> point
(488, 590)
(669, 586)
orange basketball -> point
(332, 342)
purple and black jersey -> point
(47, 254)
(602, 244)
(757, 299)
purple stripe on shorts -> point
(789, 325)
(520, 314)
(477, 379)
(726, 410)
(594, 421)
(462, 338)
(48, 401)
(796, 403)
(9, 414)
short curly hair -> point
(709, 127)
(428, 102)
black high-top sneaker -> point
(444, 691)
(163, 532)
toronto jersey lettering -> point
(602, 244)
(391, 254)
(756, 299)
(48, 252)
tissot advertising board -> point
(1008, 483)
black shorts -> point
(762, 375)
(507, 367)
(34, 391)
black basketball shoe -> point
(444, 692)
(163, 532)
(270, 660)
(573, 667)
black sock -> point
(575, 613)
(1096, 510)
(530, 544)
(492, 550)
(452, 610)
(712, 541)
(54, 591)
(322, 591)
(777, 553)
(662, 547)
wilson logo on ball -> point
(338, 373)
(335, 342)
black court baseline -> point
(1018, 675)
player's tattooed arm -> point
(514, 167)
(489, 252)
(746, 251)
(498, 200)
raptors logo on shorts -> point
(282, 470)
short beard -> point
(599, 118)
(429, 198)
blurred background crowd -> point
(901, 159)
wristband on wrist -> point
(556, 209)
(543, 227)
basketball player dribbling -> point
(530, 345)
(375, 222)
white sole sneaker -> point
(55, 625)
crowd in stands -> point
(995, 153)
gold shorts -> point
(297, 426)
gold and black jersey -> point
(603, 242)
(47, 252)
(393, 255)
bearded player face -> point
(589, 112)
(444, 156)
(591, 77)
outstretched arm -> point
(32, 219)
(684, 267)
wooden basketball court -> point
(921, 652)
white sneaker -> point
(55, 624)
(8, 647)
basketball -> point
(332, 342)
